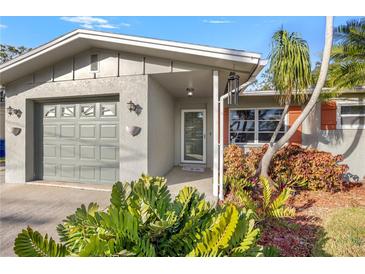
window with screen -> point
(351, 116)
(254, 126)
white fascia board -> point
(184, 48)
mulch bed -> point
(297, 236)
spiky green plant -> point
(143, 220)
(267, 205)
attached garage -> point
(78, 141)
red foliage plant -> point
(236, 163)
(318, 170)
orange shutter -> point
(328, 115)
(226, 126)
(294, 112)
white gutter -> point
(221, 135)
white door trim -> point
(183, 111)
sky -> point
(246, 33)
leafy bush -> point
(266, 203)
(143, 220)
(235, 163)
(316, 170)
(292, 166)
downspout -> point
(242, 87)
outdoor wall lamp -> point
(14, 111)
(131, 106)
(134, 107)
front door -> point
(193, 136)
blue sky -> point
(247, 33)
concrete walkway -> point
(43, 206)
(202, 181)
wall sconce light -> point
(134, 107)
(14, 111)
(131, 106)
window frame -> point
(97, 62)
(108, 116)
(84, 105)
(55, 112)
(256, 123)
(339, 105)
(68, 105)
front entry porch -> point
(177, 178)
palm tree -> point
(274, 147)
(348, 55)
(290, 70)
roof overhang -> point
(79, 40)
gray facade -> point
(124, 76)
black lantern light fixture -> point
(233, 88)
(14, 111)
(131, 106)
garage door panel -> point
(108, 174)
(67, 131)
(80, 142)
(87, 152)
(88, 173)
(50, 150)
(68, 152)
(50, 131)
(50, 170)
(87, 131)
(68, 171)
(108, 153)
(109, 131)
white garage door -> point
(79, 142)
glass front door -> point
(193, 136)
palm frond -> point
(31, 243)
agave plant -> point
(143, 220)
(267, 205)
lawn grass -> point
(343, 233)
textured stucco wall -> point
(348, 142)
(160, 129)
(20, 149)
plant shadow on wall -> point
(143, 220)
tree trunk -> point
(273, 148)
(282, 118)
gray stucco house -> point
(99, 107)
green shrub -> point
(143, 220)
(266, 203)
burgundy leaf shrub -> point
(318, 169)
(236, 164)
(311, 168)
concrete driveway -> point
(41, 207)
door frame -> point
(183, 111)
